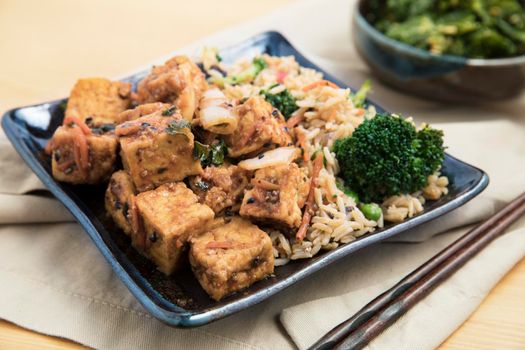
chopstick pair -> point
(357, 331)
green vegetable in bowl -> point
(386, 156)
(470, 28)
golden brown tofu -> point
(168, 215)
(231, 257)
(78, 158)
(221, 187)
(118, 199)
(98, 101)
(157, 149)
(278, 194)
(260, 128)
(141, 110)
(177, 81)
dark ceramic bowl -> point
(440, 77)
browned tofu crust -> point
(221, 187)
(231, 257)
(101, 151)
(98, 101)
(157, 149)
(168, 215)
(178, 81)
(141, 110)
(118, 199)
(277, 196)
(261, 127)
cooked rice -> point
(328, 114)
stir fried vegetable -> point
(283, 101)
(359, 97)
(210, 154)
(470, 28)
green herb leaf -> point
(218, 151)
(201, 152)
(176, 127)
(169, 112)
(210, 154)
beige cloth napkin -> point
(53, 279)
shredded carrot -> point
(127, 129)
(265, 184)
(293, 121)
(259, 196)
(319, 83)
(360, 112)
(81, 151)
(301, 140)
(80, 123)
(219, 245)
(310, 202)
(65, 165)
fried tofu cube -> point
(82, 159)
(261, 127)
(221, 187)
(168, 215)
(178, 81)
(157, 149)
(231, 257)
(118, 199)
(98, 101)
(141, 110)
(278, 194)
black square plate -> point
(179, 300)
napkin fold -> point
(429, 322)
(53, 279)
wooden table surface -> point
(46, 45)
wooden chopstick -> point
(383, 311)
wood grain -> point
(499, 322)
(47, 45)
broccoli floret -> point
(386, 156)
(429, 147)
(283, 101)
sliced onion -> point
(216, 113)
(278, 156)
